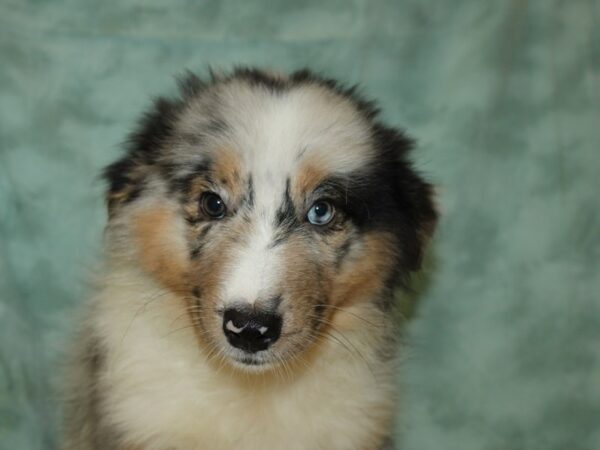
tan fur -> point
(308, 177)
(227, 169)
(363, 276)
(197, 187)
(152, 229)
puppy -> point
(258, 227)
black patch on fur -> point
(351, 193)
(286, 212)
(197, 249)
(409, 195)
(184, 184)
(286, 219)
(388, 195)
(155, 129)
(118, 174)
(135, 192)
(249, 198)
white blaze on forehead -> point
(274, 128)
(271, 129)
(254, 270)
(274, 133)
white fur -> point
(256, 266)
(161, 392)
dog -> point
(259, 225)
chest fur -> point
(159, 392)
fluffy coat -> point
(153, 369)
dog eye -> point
(213, 205)
(320, 213)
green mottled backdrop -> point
(504, 98)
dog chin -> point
(249, 362)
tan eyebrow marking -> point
(227, 170)
(306, 179)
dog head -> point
(268, 203)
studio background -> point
(504, 99)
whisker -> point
(355, 352)
(157, 295)
(344, 310)
(178, 329)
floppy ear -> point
(418, 196)
(125, 181)
(127, 176)
(413, 196)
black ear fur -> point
(126, 177)
(413, 196)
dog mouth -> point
(251, 360)
(263, 360)
(254, 362)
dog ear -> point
(127, 176)
(418, 196)
(413, 196)
(125, 179)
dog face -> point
(268, 203)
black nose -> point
(249, 330)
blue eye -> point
(320, 213)
(213, 206)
